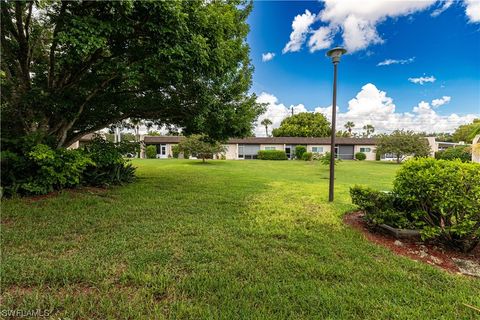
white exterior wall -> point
(433, 146)
(476, 149)
(370, 155)
(232, 152)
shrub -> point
(307, 156)
(360, 156)
(151, 152)
(175, 151)
(325, 159)
(55, 169)
(299, 151)
(381, 207)
(446, 196)
(272, 155)
(110, 167)
(460, 152)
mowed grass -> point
(224, 240)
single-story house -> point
(85, 139)
(247, 148)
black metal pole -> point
(332, 142)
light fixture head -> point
(336, 53)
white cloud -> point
(276, 112)
(472, 10)
(375, 107)
(358, 20)
(300, 27)
(422, 80)
(441, 101)
(321, 38)
(267, 56)
(388, 62)
(445, 5)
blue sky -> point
(435, 44)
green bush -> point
(360, 156)
(464, 153)
(175, 151)
(110, 167)
(445, 195)
(54, 169)
(440, 197)
(272, 155)
(299, 151)
(381, 207)
(307, 156)
(151, 152)
(325, 159)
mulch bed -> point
(431, 253)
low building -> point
(85, 139)
(436, 146)
(247, 148)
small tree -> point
(403, 143)
(151, 152)
(349, 126)
(266, 122)
(369, 129)
(199, 146)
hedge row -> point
(272, 155)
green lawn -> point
(224, 240)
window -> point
(269, 148)
(365, 149)
(317, 149)
(240, 152)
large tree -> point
(305, 124)
(73, 67)
(403, 143)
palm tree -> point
(369, 129)
(266, 122)
(349, 126)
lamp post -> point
(335, 54)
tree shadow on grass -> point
(207, 163)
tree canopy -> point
(200, 146)
(69, 68)
(403, 143)
(467, 132)
(305, 124)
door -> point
(288, 151)
(345, 152)
(161, 151)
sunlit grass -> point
(229, 240)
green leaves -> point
(403, 143)
(304, 124)
(91, 64)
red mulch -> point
(430, 253)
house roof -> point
(271, 140)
